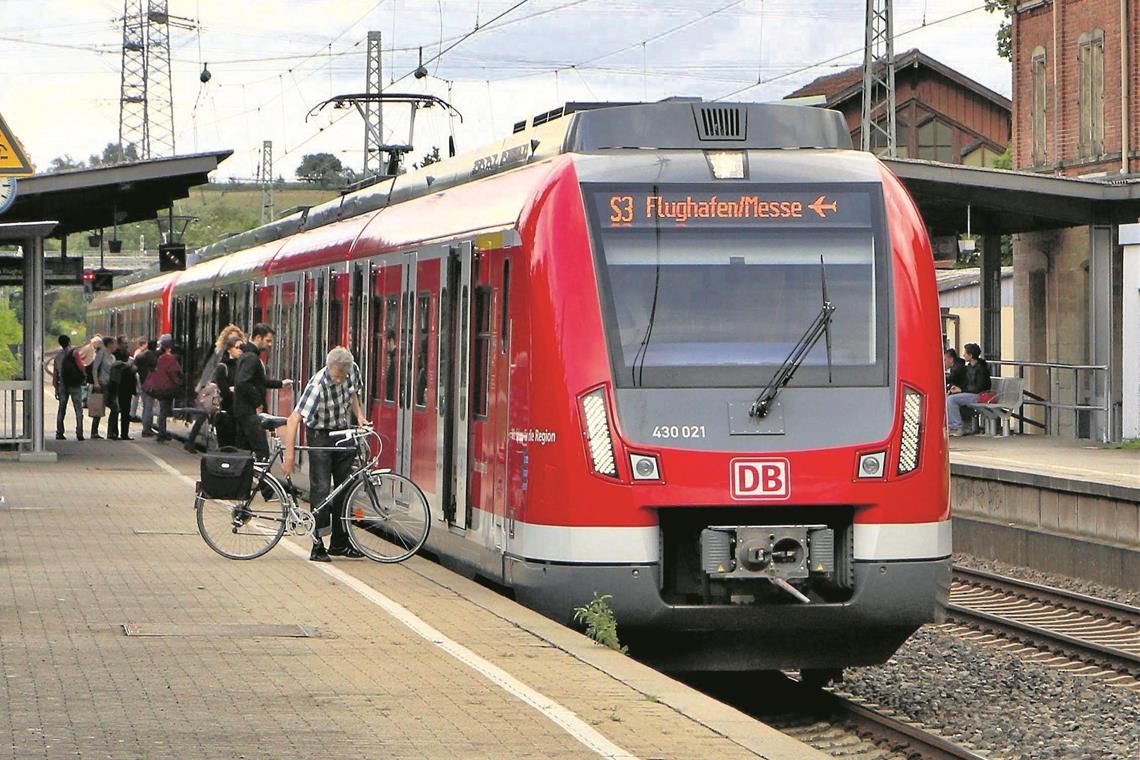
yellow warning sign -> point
(13, 160)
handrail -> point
(1098, 382)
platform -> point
(1058, 505)
(123, 635)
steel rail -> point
(1107, 631)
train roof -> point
(149, 289)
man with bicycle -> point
(329, 402)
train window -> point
(505, 319)
(443, 351)
(336, 311)
(708, 304)
(390, 333)
(423, 333)
(376, 348)
(482, 371)
(316, 355)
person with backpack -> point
(250, 383)
(124, 380)
(67, 377)
(164, 383)
(145, 362)
(209, 392)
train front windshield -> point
(714, 286)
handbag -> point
(227, 475)
(95, 405)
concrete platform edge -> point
(747, 732)
(1048, 551)
(1049, 482)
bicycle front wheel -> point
(387, 517)
(243, 528)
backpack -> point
(209, 399)
(117, 372)
(72, 376)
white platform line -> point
(556, 713)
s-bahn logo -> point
(761, 479)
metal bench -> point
(995, 414)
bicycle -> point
(386, 514)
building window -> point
(1037, 117)
(1090, 93)
(936, 142)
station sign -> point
(732, 207)
(58, 271)
(13, 159)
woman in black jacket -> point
(224, 431)
(123, 386)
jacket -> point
(956, 375)
(127, 384)
(101, 367)
(145, 363)
(166, 379)
(223, 377)
(977, 377)
(250, 382)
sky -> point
(273, 60)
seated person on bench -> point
(977, 382)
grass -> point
(1131, 443)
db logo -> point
(760, 479)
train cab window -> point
(423, 334)
(505, 318)
(391, 329)
(722, 302)
(481, 375)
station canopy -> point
(88, 199)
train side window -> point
(443, 351)
(505, 319)
(390, 333)
(423, 334)
(482, 371)
(376, 348)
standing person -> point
(250, 383)
(124, 379)
(145, 362)
(163, 384)
(68, 379)
(224, 431)
(330, 401)
(100, 379)
(977, 382)
(137, 398)
(207, 377)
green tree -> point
(11, 336)
(65, 163)
(1005, 31)
(429, 158)
(324, 169)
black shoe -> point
(319, 554)
(125, 438)
(345, 551)
(162, 438)
(112, 438)
(62, 437)
(268, 494)
(79, 436)
(96, 437)
(190, 447)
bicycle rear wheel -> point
(387, 517)
(243, 528)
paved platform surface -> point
(280, 657)
(1075, 460)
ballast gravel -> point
(1000, 704)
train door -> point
(358, 314)
(406, 338)
(453, 376)
(287, 343)
(422, 379)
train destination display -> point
(728, 207)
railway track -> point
(830, 720)
(1096, 630)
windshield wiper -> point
(819, 327)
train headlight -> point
(644, 467)
(598, 435)
(872, 465)
(910, 441)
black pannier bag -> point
(227, 475)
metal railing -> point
(13, 396)
(1096, 380)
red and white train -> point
(583, 317)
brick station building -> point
(1076, 113)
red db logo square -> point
(760, 479)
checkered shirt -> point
(325, 405)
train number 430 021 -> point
(679, 431)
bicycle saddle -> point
(269, 422)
